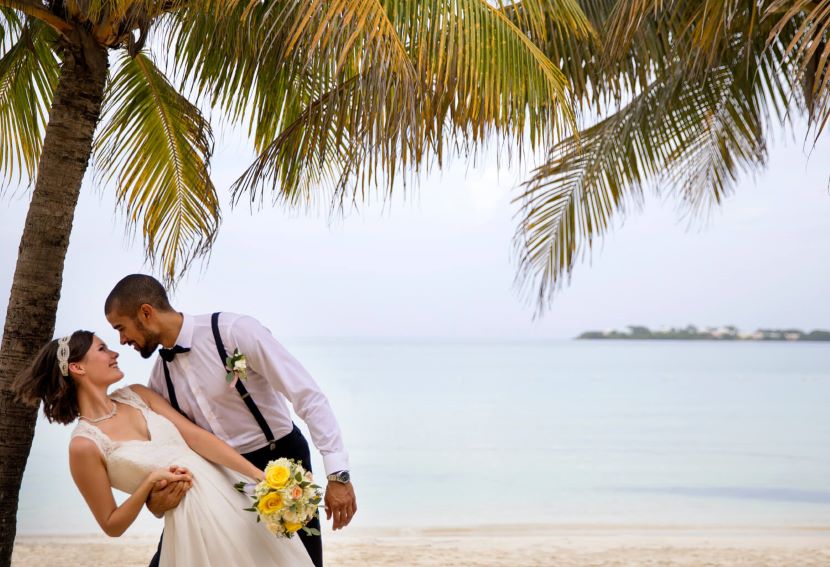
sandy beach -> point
(565, 546)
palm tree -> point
(683, 94)
(339, 97)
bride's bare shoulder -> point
(82, 447)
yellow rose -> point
(270, 503)
(277, 476)
(292, 527)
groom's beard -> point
(151, 341)
(148, 350)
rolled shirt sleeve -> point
(267, 357)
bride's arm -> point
(90, 475)
(203, 442)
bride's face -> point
(99, 365)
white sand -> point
(565, 546)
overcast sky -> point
(438, 264)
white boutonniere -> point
(237, 367)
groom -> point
(252, 416)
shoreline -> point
(570, 545)
(511, 530)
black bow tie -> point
(168, 354)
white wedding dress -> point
(209, 526)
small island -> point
(692, 333)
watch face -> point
(343, 476)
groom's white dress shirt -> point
(274, 378)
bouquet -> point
(286, 500)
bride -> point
(132, 440)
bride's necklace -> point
(102, 418)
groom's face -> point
(133, 332)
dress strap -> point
(104, 443)
(126, 395)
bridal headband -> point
(63, 355)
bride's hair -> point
(43, 381)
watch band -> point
(339, 476)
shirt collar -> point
(185, 338)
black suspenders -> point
(171, 392)
(240, 387)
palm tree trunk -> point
(30, 319)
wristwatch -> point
(340, 476)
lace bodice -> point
(129, 462)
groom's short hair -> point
(134, 291)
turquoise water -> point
(551, 432)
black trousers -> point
(292, 446)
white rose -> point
(290, 515)
(281, 462)
(309, 512)
(274, 527)
(240, 365)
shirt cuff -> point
(335, 462)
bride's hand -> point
(166, 495)
(169, 475)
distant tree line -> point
(692, 333)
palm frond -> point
(115, 22)
(638, 22)
(329, 71)
(693, 138)
(223, 51)
(35, 10)
(484, 75)
(541, 19)
(158, 146)
(809, 44)
(707, 34)
(327, 144)
(28, 76)
(478, 75)
(10, 26)
(730, 141)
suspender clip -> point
(246, 395)
(272, 445)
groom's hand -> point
(341, 504)
(167, 495)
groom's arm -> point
(166, 496)
(269, 358)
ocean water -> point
(562, 432)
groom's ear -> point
(146, 312)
